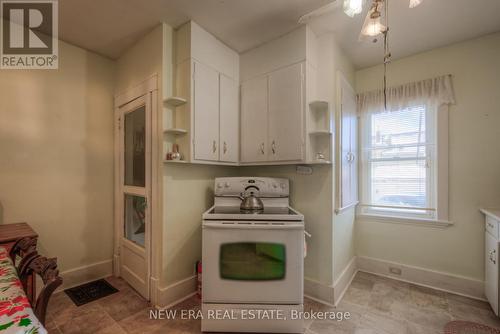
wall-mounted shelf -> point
(175, 101)
(319, 105)
(319, 162)
(319, 126)
(320, 133)
(176, 131)
(175, 161)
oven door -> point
(257, 262)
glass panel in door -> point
(252, 261)
(135, 147)
(135, 219)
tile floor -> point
(377, 305)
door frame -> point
(149, 90)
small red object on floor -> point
(198, 278)
(468, 327)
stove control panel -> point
(260, 186)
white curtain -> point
(436, 92)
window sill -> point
(406, 221)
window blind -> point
(397, 162)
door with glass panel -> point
(134, 120)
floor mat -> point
(89, 292)
(468, 327)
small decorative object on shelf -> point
(320, 156)
(175, 154)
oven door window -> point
(252, 261)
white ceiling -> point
(109, 27)
(433, 24)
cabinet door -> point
(286, 106)
(345, 151)
(229, 120)
(206, 112)
(348, 145)
(254, 120)
(491, 271)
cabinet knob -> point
(214, 146)
(262, 151)
(273, 147)
(224, 147)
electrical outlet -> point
(304, 170)
(395, 271)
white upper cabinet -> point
(286, 107)
(206, 112)
(272, 112)
(229, 120)
(271, 116)
(274, 127)
(254, 108)
(207, 79)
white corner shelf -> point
(320, 133)
(175, 101)
(319, 162)
(175, 161)
(319, 105)
(175, 131)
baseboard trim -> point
(179, 301)
(342, 283)
(85, 274)
(318, 300)
(459, 285)
(319, 291)
(176, 292)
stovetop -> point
(266, 211)
(269, 213)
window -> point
(404, 151)
(398, 163)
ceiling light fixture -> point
(415, 3)
(373, 26)
(353, 7)
(373, 23)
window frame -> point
(438, 186)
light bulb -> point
(415, 3)
(373, 24)
(353, 7)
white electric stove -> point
(253, 268)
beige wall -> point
(188, 192)
(474, 160)
(141, 61)
(56, 155)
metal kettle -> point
(250, 202)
